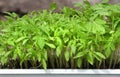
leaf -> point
(116, 24)
(100, 55)
(79, 62)
(25, 41)
(45, 54)
(51, 45)
(41, 42)
(90, 58)
(97, 27)
(11, 14)
(109, 47)
(73, 49)
(58, 51)
(100, 21)
(4, 30)
(53, 6)
(45, 29)
(7, 53)
(15, 55)
(39, 56)
(20, 54)
(28, 55)
(51, 38)
(20, 39)
(80, 54)
(65, 32)
(67, 56)
(108, 52)
(10, 42)
(1, 51)
(44, 64)
(66, 39)
(97, 57)
(58, 41)
(72, 45)
(4, 60)
(87, 3)
(68, 11)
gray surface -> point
(47, 75)
(29, 5)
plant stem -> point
(110, 64)
(26, 64)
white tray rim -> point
(60, 71)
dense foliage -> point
(88, 36)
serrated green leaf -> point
(41, 42)
(108, 52)
(66, 40)
(10, 42)
(51, 45)
(80, 54)
(45, 54)
(100, 21)
(53, 6)
(28, 55)
(4, 60)
(72, 45)
(15, 55)
(67, 55)
(79, 62)
(97, 28)
(20, 39)
(100, 55)
(73, 49)
(52, 38)
(87, 3)
(7, 53)
(90, 58)
(97, 57)
(25, 41)
(58, 41)
(39, 56)
(44, 64)
(58, 51)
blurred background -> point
(24, 6)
